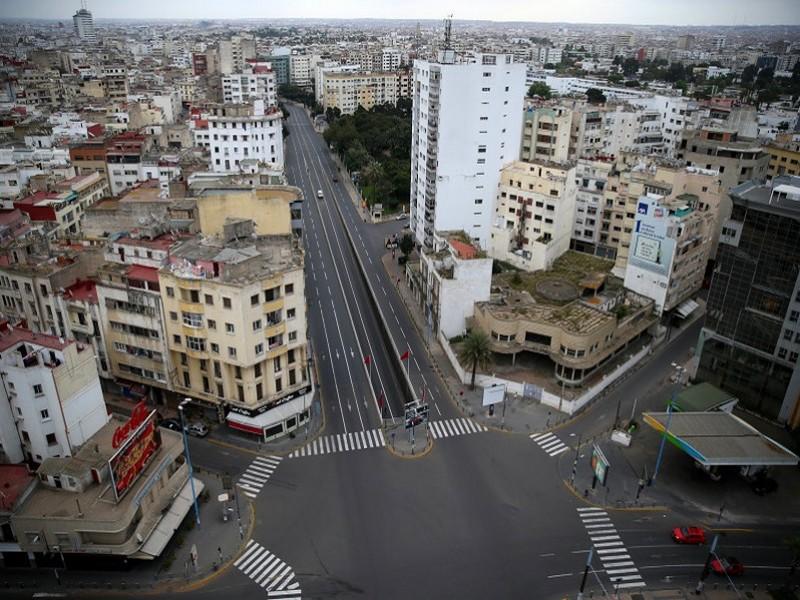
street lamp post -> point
(677, 379)
(586, 573)
(189, 458)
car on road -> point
(727, 565)
(319, 194)
(197, 430)
(172, 424)
(689, 535)
(335, 179)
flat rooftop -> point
(781, 197)
(14, 480)
(10, 336)
(716, 438)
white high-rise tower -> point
(84, 24)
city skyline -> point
(604, 12)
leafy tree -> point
(617, 60)
(748, 75)
(476, 352)
(595, 96)
(764, 78)
(630, 66)
(406, 244)
(675, 73)
(615, 78)
(768, 95)
(540, 89)
(549, 66)
(298, 94)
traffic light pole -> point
(707, 567)
(586, 572)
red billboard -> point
(134, 455)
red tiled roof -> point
(14, 480)
(82, 290)
(463, 250)
(143, 273)
(9, 337)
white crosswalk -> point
(454, 427)
(342, 442)
(610, 549)
(268, 571)
(257, 474)
(550, 443)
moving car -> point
(689, 535)
(727, 565)
(335, 179)
(197, 430)
(172, 424)
(319, 194)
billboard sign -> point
(599, 464)
(653, 248)
(493, 394)
(134, 455)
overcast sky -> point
(666, 12)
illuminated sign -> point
(134, 455)
(122, 432)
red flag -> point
(380, 400)
(367, 359)
(405, 355)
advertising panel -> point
(133, 456)
(652, 247)
(494, 394)
(599, 464)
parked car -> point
(172, 424)
(727, 565)
(197, 430)
(319, 194)
(689, 535)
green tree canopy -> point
(595, 96)
(540, 89)
(476, 352)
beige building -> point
(234, 302)
(534, 213)
(784, 159)
(546, 134)
(103, 501)
(347, 91)
(575, 314)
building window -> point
(229, 328)
(211, 324)
(231, 352)
(259, 391)
(187, 381)
(794, 315)
(256, 324)
(192, 319)
(214, 348)
(176, 339)
(292, 377)
(289, 289)
(290, 313)
(240, 392)
(226, 302)
(278, 384)
(51, 439)
(194, 343)
(173, 315)
(259, 348)
(37, 390)
(292, 336)
(290, 356)
(276, 364)
(254, 300)
(184, 359)
(170, 292)
(45, 414)
(220, 390)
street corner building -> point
(123, 494)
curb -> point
(588, 502)
(428, 449)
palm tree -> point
(476, 351)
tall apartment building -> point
(83, 24)
(591, 177)
(467, 122)
(534, 213)
(546, 134)
(281, 65)
(391, 59)
(236, 322)
(233, 54)
(300, 70)
(116, 81)
(50, 400)
(348, 91)
(241, 132)
(124, 159)
(256, 83)
(750, 343)
(322, 69)
(670, 243)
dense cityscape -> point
(399, 308)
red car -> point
(727, 565)
(689, 535)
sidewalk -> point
(710, 593)
(216, 543)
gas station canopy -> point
(720, 439)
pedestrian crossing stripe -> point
(609, 547)
(257, 474)
(269, 572)
(550, 443)
(342, 442)
(454, 427)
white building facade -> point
(244, 132)
(467, 123)
(248, 87)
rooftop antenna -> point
(83, 4)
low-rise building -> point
(670, 248)
(50, 400)
(575, 314)
(123, 494)
(347, 91)
(784, 159)
(534, 213)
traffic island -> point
(408, 443)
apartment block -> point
(348, 91)
(546, 134)
(242, 132)
(466, 125)
(671, 241)
(50, 401)
(591, 178)
(256, 83)
(784, 159)
(750, 344)
(534, 213)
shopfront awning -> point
(257, 424)
(686, 308)
(717, 438)
(166, 527)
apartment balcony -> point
(275, 329)
(276, 350)
(190, 307)
(194, 331)
(272, 305)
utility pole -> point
(575, 462)
(707, 567)
(663, 439)
(189, 458)
(586, 573)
